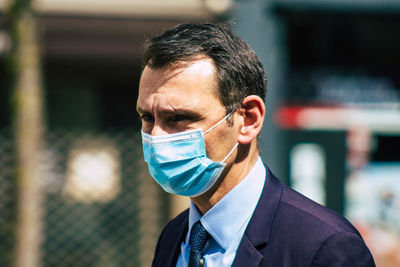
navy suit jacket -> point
(286, 229)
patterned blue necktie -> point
(198, 239)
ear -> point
(253, 112)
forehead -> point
(190, 84)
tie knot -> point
(198, 237)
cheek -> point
(146, 127)
(212, 148)
(220, 144)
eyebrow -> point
(183, 112)
(175, 111)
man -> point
(201, 102)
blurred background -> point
(74, 190)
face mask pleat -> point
(184, 150)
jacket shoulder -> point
(299, 206)
(315, 235)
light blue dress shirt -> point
(227, 220)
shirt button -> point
(201, 263)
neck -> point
(231, 177)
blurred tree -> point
(28, 128)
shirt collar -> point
(236, 207)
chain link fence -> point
(100, 208)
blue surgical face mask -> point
(178, 162)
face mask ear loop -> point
(218, 123)
(230, 153)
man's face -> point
(185, 98)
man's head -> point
(239, 71)
(194, 75)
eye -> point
(177, 118)
(147, 118)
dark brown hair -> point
(239, 71)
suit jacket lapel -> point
(247, 254)
(257, 232)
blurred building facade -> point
(332, 129)
(334, 101)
